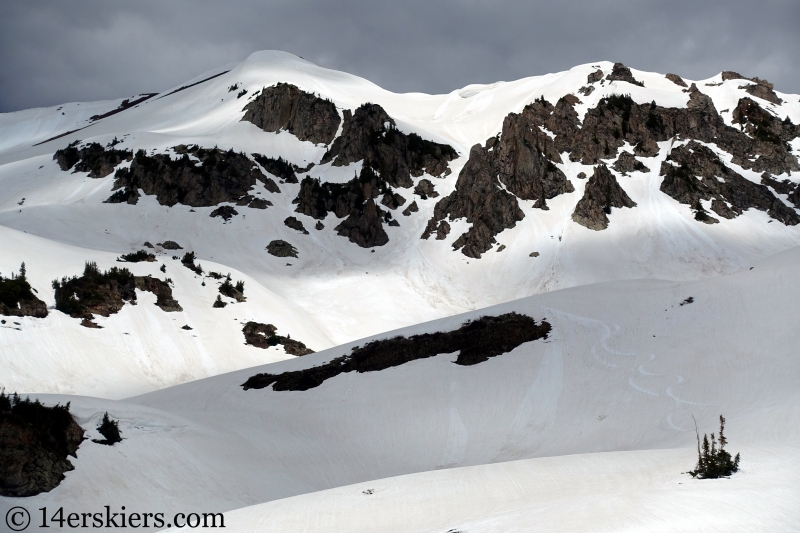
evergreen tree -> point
(110, 430)
(713, 462)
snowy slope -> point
(623, 371)
(335, 292)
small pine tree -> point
(110, 430)
(240, 286)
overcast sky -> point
(80, 50)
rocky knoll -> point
(99, 162)
(266, 335)
(476, 341)
(17, 298)
(694, 172)
(371, 135)
(286, 107)
(105, 293)
(479, 199)
(602, 192)
(35, 443)
(354, 201)
(209, 177)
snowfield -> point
(590, 429)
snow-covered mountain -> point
(646, 224)
(376, 273)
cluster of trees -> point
(714, 461)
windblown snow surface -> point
(590, 429)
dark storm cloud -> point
(57, 51)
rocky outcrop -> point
(475, 341)
(622, 73)
(170, 245)
(105, 293)
(602, 192)
(295, 224)
(35, 443)
(221, 176)
(162, 290)
(286, 107)
(95, 292)
(364, 226)
(280, 248)
(371, 135)
(93, 158)
(595, 76)
(225, 212)
(677, 80)
(17, 297)
(759, 88)
(618, 119)
(780, 187)
(265, 335)
(280, 168)
(425, 189)
(412, 208)
(479, 199)
(354, 201)
(696, 173)
(627, 162)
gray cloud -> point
(54, 52)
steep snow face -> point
(623, 371)
(334, 291)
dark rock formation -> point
(280, 248)
(522, 158)
(279, 168)
(219, 177)
(731, 75)
(627, 162)
(476, 341)
(319, 226)
(764, 90)
(364, 226)
(17, 298)
(286, 107)
(392, 200)
(295, 224)
(696, 173)
(424, 189)
(622, 73)
(170, 245)
(618, 119)
(95, 292)
(265, 335)
(162, 290)
(91, 158)
(595, 76)
(371, 135)
(480, 199)
(780, 187)
(677, 80)
(412, 208)
(354, 200)
(226, 212)
(35, 443)
(602, 192)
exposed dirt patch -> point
(476, 341)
